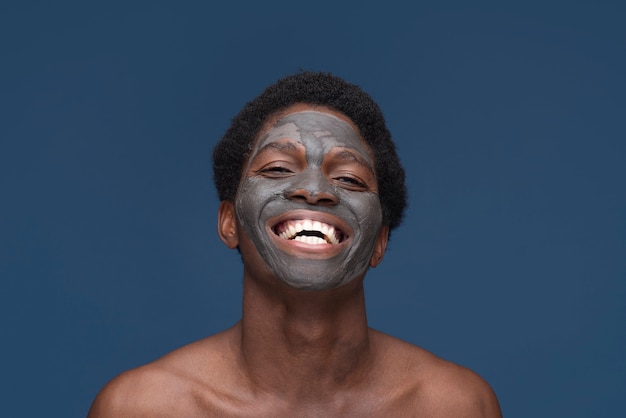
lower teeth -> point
(310, 240)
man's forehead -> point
(314, 121)
(311, 124)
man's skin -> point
(302, 348)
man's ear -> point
(380, 247)
(227, 224)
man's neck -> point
(304, 345)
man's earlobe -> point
(227, 224)
(381, 246)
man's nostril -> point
(319, 198)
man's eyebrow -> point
(278, 146)
(345, 155)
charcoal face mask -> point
(311, 244)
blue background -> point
(510, 120)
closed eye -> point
(351, 181)
(275, 171)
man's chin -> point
(313, 285)
(304, 278)
(315, 273)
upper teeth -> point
(291, 229)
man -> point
(310, 187)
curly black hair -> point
(322, 89)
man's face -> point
(308, 201)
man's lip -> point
(309, 250)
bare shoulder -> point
(436, 387)
(136, 393)
(453, 390)
(178, 384)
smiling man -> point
(311, 187)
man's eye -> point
(351, 181)
(276, 170)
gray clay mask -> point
(308, 201)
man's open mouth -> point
(308, 231)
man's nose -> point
(313, 188)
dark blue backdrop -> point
(510, 120)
